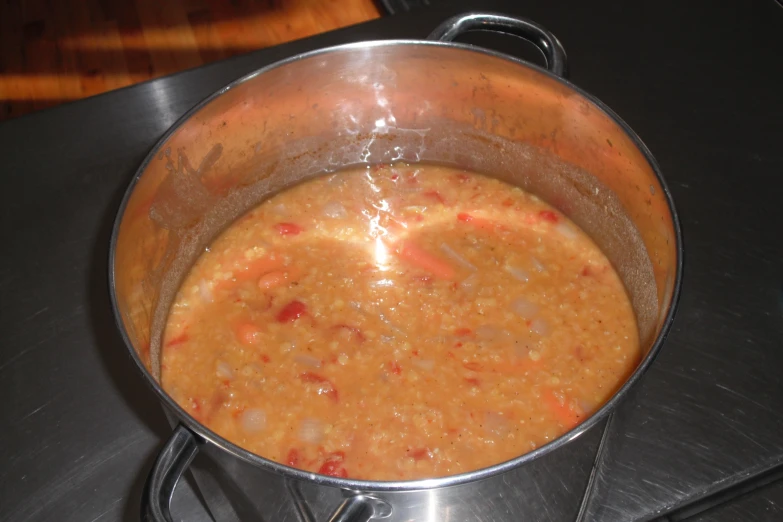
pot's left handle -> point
(178, 453)
(172, 461)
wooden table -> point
(53, 52)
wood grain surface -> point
(52, 51)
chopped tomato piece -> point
(333, 466)
(472, 381)
(265, 358)
(349, 333)
(288, 229)
(395, 368)
(291, 312)
(293, 458)
(549, 216)
(327, 387)
(463, 332)
(418, 453)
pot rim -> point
(206, 434)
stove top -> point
(700, 438)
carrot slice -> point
(256, 268)
(247, 333)
(416, 255)
(275, 278)
(565, 415)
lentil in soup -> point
(398, 322)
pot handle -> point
(172, 461)
(178, 453)
(534, 33)
(361, 508)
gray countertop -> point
(699, 81)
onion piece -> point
(566, 230)
(540, 326)
(335, 210)
(495, 423)
(518, 273)
(253, 419)
(280, 209)
(524, 308)
(424, 364)
(308, 360)
(470, 283)
(538, 265)
(454, 255)
(205, 291)
(311, 430)
(586, 406)
(224, 370)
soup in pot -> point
(398, 322)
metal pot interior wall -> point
(373, 103)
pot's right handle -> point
(534, 33)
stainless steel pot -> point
(373, 102)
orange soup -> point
(398, 322)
